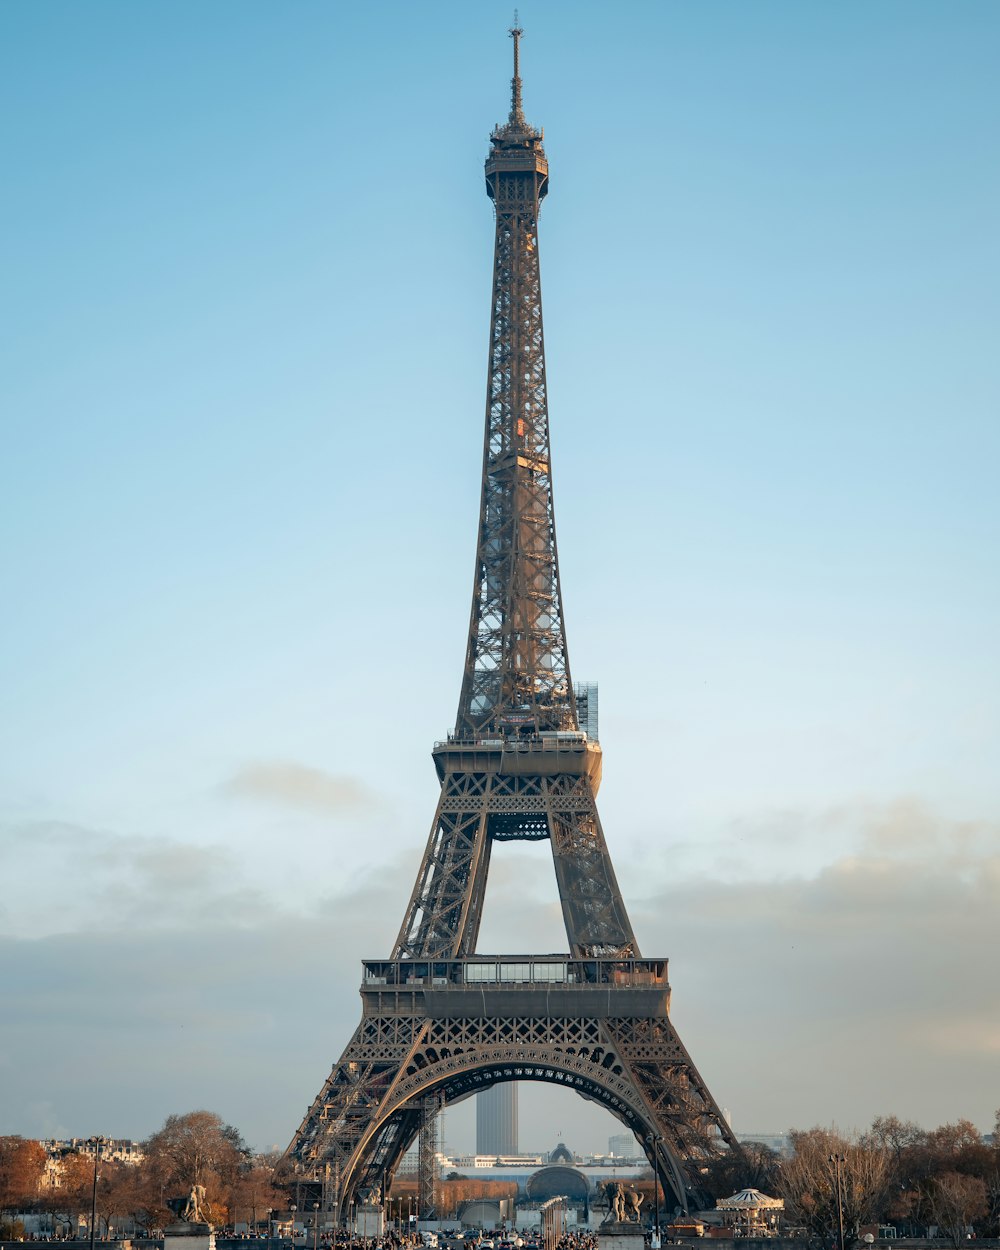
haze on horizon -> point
(247, 265)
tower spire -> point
(517, 677)
(516, 107)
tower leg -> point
(443, 914)
(594, 913)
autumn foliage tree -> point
(452, 1195)
(255, 1192)
(22, 1166)
(71, 1196)
(198, 1148)
(121, 1193)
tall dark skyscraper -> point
(496, 1120)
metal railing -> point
(497, 970)
(557, 740)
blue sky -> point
(246, 265)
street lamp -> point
(652, 1140)
(838, 1162)
(293, 1208)
(315, 1226)
(270, 1226)
(97, 1143)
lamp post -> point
(97, 1143)
(652, 1140)
(838, 1162)
(315, 1226)
(270, 1226)
(293, 1208)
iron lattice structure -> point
(439, 1021)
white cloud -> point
(298, 786)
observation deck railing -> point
(560, 740)
(515, 970)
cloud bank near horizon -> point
(177, 979)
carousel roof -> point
(749, 1200)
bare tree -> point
(906, 1144)
(822, 1162)
(889, 1132)
(756, 1166)
(955, 1202)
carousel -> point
(751, 1214)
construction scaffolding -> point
(427, 1156)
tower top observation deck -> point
(516, 147)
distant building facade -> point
(115, 1149)
(119, 1149)
(624, 1146)
(780, 1143)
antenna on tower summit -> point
(516, 108)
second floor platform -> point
(543, 755)
(521, 985)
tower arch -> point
(452, 1078)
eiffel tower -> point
(439, 1020)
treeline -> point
(895, 1174)
(197, 1148)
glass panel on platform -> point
(549, 972)
(515, 972)
(480, 972)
